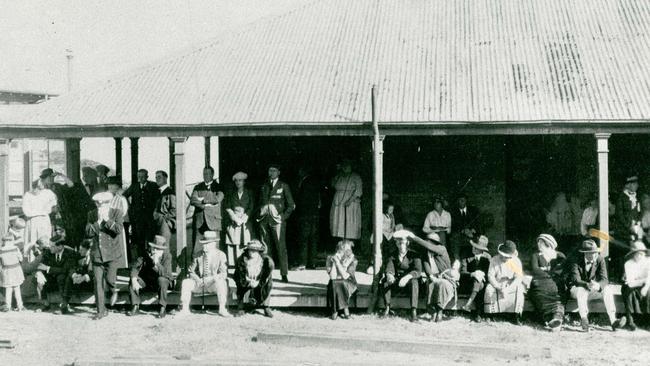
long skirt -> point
(339, 293)
(37, 227)
(512, 301)
(440, 293)
(545, 295)
(635, 303)
(345, 222)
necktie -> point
(58, 257)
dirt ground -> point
(48, 339)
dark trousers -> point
(259, 296)
(105, 277)
(72, 288)
(634, 302)
(308, 240)
(142, 231)
(470, 286)
(273, 236)
(54, 282)
(413, 287)
(151, 282)
(460, 246)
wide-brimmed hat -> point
(401, 234)
(588, 246)
(209, 237)
(631, 177)
(159, 242)
(508, 249)
(481, 243)
(548, 239)
(103, 197)
(114, 179)
(434, 237)
(637, 246)
(57, 240)
(240, 176)
(46, 173)
(275, 165)
(101, 168)
(255, 245)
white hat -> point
(103, 197)
(240, 175)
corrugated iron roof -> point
(432, 60)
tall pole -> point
(118, 156)
(378, 184)
(603, 191)
(4, 185)
(181, 203)
(135, 151)
(69, 56)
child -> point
(11, 272)
(17, 230)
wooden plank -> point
(436, 348)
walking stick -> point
(203, 286)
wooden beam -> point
(181, 199)
(134, 158)
(118, 156)
(603, 190)
(206, 150)
(172, 164)
(73, 158)
(4, 185)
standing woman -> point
(345, 215)
(121, 206)
(504, 292)
(341, 268)
(547, 285)
(37, 206)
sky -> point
(110, 37)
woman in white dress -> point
(345, 215)
(37, 206)
(119, 203)
(504, 292)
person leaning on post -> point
(402, 273)
(153, 271)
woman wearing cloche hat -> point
(504, 292)
(547, 284)
(254, 279)
(635, 291)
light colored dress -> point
(11, 273)
(37, 206)
(512, 299)
(345, 221)
(120, 204)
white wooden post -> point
(603, 191)
(4, 185)
(181, 199)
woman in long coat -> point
(345, 214)
(341, 268)
(547, 286)
(121, 205)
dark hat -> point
(637, 246)
(508, 249)
(113, 179)
(159, 242)
(438, 198)
(57, 240)
(46, 173)
(481, 243)
(589, 246)
(102, 169)
(255, 245)
(275, 165)
(631, 177)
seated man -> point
(80, 276)
(440, 276)
(473, 276)
(402, 272)
(55, 266)
(153, 271)
(208, 274)
(254, 279)
(587, 279)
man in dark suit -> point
(56, 263)
(473, 276)
(308, 205)
(164, 214)
(587, 279)
(143, 195)
(206, 199)
(153, 271)
(80, 278)
(402, 273)
(464, 226)
(276, 205)
(105, 227)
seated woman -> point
(637, 283)
(402, 273)
(473, 277)
(547, 286)
(342, 285)
(504, 292)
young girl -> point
(11, 272)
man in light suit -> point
(276, 205)
(208, 274)
(206, 199)
(164, 214)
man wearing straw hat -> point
(636, 290)
(208, 274)
(153, 271)
(254, 279)
(588, 280)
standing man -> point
(206, 199)
(308, 205)
(164, 214)
(276, 205)
(464, 228)
(153, 271)
(105, 227)
(102, 176)
(143, 195)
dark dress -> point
(257, 296)
(547, 287)
(340, 290)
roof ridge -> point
(181, 53)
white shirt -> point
(435, 219)
(635, 272)
(240, 194)
(163, 188)
(274, 181)
(39, 204)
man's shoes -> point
(268, 313)
(44, 308)
(517, 320)
(224, 313)
(555, 324)
(386, 312)
(414, 316)
(162, 313)
(631, 326)
(618, 323)
(439, 316)
(285, 279)
(135, 310)
(584, 324)
(346, 314)
(114, 298)
(184, 312)
(21, 308)
(100, 315)
(65, 309)
(334, 315)
(239, 313)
